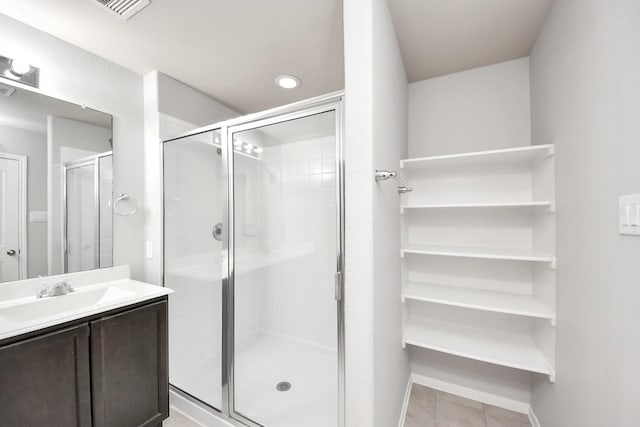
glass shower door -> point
(80, 220)
(195, 262)
(286, 255)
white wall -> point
(585, 86)
(481, 109)
(75, 75)
(376, 123)
(170, 108)
(390, 93)
(33, 145)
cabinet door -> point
(44, 381)
(129, 368)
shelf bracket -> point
(553, 264)
(553, 321)
(552, 376)
(552, 151)
(552, 207)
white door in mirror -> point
(9, 220)
(629, 214)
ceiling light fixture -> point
(287, 81)
(19, 71)
(19, 68)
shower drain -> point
(283, 386)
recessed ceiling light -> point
(287, 81)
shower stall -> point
(87, 227)
(253, 247)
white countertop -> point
(94, 292)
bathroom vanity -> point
(96, 356)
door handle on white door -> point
(11, 252)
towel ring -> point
(121, 197)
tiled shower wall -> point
(298, 223)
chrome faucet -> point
(54, 290)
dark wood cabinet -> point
(108, 370)
(44, 381)
(129, 368)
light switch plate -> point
(38, 216)
(629, 214)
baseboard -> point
(172, 413)
(469, 393)
(532, 417)
(405, 403)
(195, 411)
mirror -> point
(56, 175)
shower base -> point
(261, 364)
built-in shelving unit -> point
(540, 204)
(511, 350)
(478, 299)
(508, 155)
(478, 255)
(507, 254)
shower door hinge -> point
(338, 286)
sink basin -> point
(54, 306)
(22, 312)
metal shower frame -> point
(94, 161)
(318, 105)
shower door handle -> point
(338, 284)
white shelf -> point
(519, 154)
(479, 299)
(484, 253)
(505, 349)
(542, 203)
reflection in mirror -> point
(56, 175)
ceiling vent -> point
(6, 90)
(125, 9)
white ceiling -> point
(232, 50)
(439, 37)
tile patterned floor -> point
(432, 408)
(427, 408)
